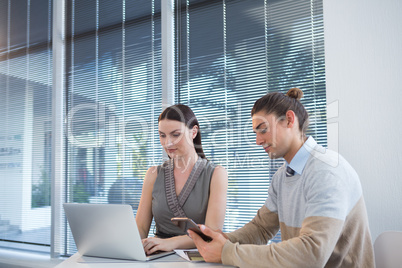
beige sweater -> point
(321, 214)
(321, 242)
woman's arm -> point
(144, 213)
(217, 199)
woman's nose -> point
(168, 142)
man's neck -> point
(295, 147)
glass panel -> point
(25, 113)
(230, 54)
(114, 100)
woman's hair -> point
(184, 114)
(279, 103)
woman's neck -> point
(186, 161)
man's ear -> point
(194, 131)
(290, 118)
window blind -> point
(230, 53)
(25, 114)
(113, 101)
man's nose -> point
(258, 139)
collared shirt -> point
(300, 159)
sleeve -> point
(312, 248)
(259, 230)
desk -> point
(168, 261)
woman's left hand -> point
(153, 244)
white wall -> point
(363, 54)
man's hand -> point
(210, 251)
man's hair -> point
(278, 104)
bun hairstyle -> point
(279, 103)
(295, 93)
(184, 114)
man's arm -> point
(312, 248)
(259, 230)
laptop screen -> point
(105, 230)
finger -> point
(148, 241)
(209, 232)
(149, 245)
(221, 232)
(198, 241)
(144, 242)
(151, 249)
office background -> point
(362, 72)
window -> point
(25, 113)
(230, 53)
(113, 101)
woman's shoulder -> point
(151, 174)
(215, 170)
(153, 169)
(158, 168)
(209, 166)
(218, 168)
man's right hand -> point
(210, 251)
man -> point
(315, 198)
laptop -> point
(108, 231)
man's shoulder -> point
(329, 166)
(325, 159)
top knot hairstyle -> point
(279, 103)
(184, 114)
(295, 93)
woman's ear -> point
(194, 131)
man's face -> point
(272, 134)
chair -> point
(388, 250)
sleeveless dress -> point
(194, 206)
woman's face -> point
(176, 138)
(272, 134)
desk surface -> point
(168, 261)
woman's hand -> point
(153, 244)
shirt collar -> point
(300, 159)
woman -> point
(187, 185)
